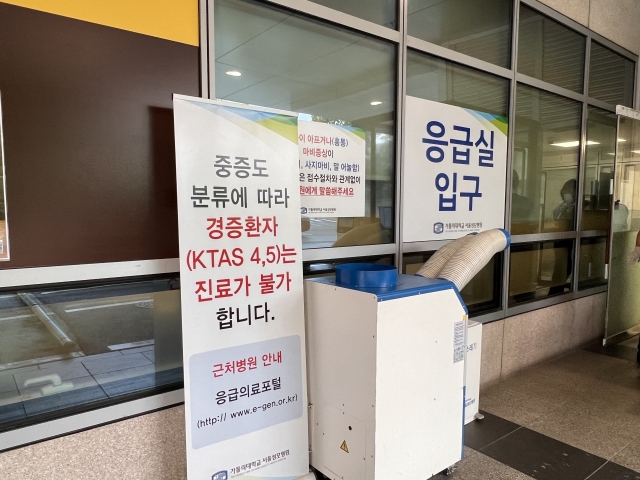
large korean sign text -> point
(332, 170)
(241, 290)
(454, 172)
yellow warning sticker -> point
(344, 446)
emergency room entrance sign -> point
(241, 291)
(454, 171)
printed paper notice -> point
(332, 170)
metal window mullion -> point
(591, 291)
(592, 233)
(82, 421)
(335, 253)
(542, 303)
(457, 57)
(211, 48)
(204, 53)
(543, 237)
(581, 168)
(600, 104)
(344, 19)
(549, 87)
(420, 247)
(636, 90)
(488, 317)
(510, 149)
(400, 131)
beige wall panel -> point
(589, 319)
(577, 10)
(147, 447)
(492, 336)
(533, 337)
(617, 20)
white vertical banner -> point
(241, 291)
(454, 171)
(332, 169)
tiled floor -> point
(575, 418)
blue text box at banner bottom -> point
(231, 396)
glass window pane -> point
(439, 80)
(611, 76)
(479, 28)
(545, 162)
(598, 174)
(540, 270)
(481, 295)
(592, 262)
(382, 12)
(549, 51)
(293, 63)
(116, 339)
(325, 268)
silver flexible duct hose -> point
(473, 255)
(431, 269)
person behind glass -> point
(565, 213)
(521, 206)
(567, 209)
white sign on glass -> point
(454, 171)
(332, 169)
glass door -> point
(623, 300)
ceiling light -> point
(635, 151)
(621, 140)
(376, 102)
(234, 73)
(574, 143)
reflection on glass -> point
(623, 306)
(600, 148)
(325, 268)
(549, 51)
(382, 12)
(441, 81)
(611, 76)
(540, 270)
(479, 29)
(69, 347)
(481, 294)
(286, 61)
(545, 162)
(593, 258)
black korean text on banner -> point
(241, 290)
(454, 171)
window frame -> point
(15, 278)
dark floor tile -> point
(10, 412)
(480, 433)
(613, 471)
(624, 352)
(542, 457)
(63, 400)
